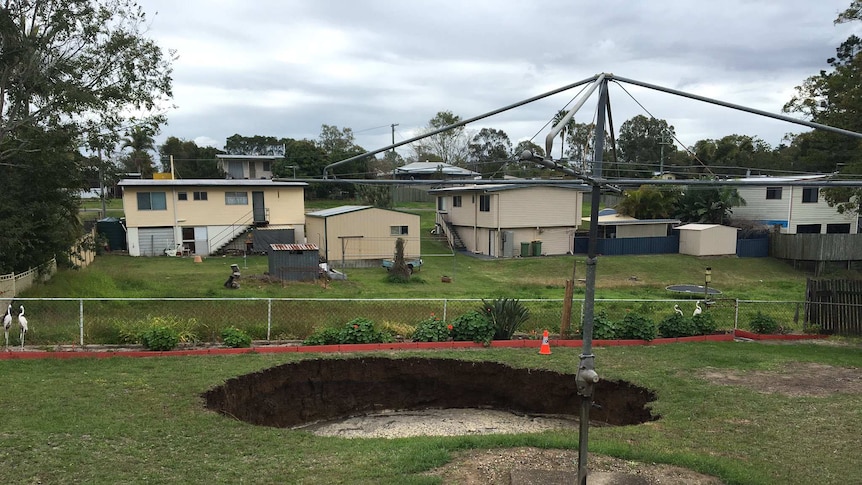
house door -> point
(252, 170)
(492, 243)
(257, 207)
(202, 243)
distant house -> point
(495, 219)
(205, 215)
(362, 235)
(433, 171)
(246, 166)
(796, 210)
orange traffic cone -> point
(546, 347)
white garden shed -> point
(707, 239)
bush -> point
(638, 327)
(356, 331)
(676, 325)
(160, 337)
(704, 324)
(603, 327)
(432, 329)
(132, 332)
(474, 327)
(763, 324)
(236, 338)
(506, 315)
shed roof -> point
(293, 247)
(433, 167)
(342, 209)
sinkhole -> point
(308, 391)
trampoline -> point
(693, 290)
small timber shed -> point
(707, 239)
(294, 262)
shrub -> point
(356, 331)
(398, 328)
(704, 324)
(327, 336)
(676, 325)
(506, 315)
(636, 326)
(603, 327)
(236, 338)
(763, 324)
(473, 326)
(160, 337)
(132, 332)
(432, 329)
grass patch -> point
(141, 420)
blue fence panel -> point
(631, 245)
(752, 248)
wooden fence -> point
(835, 306)
(819, 248)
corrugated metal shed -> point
(294, 262)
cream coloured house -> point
(204, 215)
(362, 235)
(795, 210)
(495, 219)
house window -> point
(485, 203)
(441, 204)
(236, 198)
(456, 201)
(152, 201)
(267, 166)
(398, 230)
(200, 195)
(809, 194)
(837, 228)
(808, 229)
(182, 196)
(773, 193)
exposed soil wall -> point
(321, 389)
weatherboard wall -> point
(364, 234)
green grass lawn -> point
(124, 420)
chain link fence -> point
(91, 321)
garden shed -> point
(294, 262)
(707, 239)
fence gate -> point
(834, 305)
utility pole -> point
(664, 140)
(393, 136)
(102, 184)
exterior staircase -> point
(454, 239)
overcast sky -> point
(284, 67)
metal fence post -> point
(445, 301)
(268, 318)
(736, 314)
(81, 319)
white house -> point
(246, 166)
(796, 210)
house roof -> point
(343, 209)
(416, 168)
(618, 220)
(502, 187)
(207, 183)
(780, 180)
(248, 157)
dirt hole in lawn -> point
(383, 397)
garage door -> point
(154, 240)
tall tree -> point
(140, 140)
(489, 151)
(340, 144)
(640, 145)
(708, 205)
(73, 71)
(190, 160)
(649, 202)
(579, 139)
(568, 128)
(448, 146)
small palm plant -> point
(506, 315)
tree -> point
(190, 160)
(237, 144)
(708, 205)
(400, 272)
(375, 195)
(835, 98)
(649, 202)
(566, 129)
(140, 140)
(489, 151)
(302, 158)
(579, 140)
(640, 144)
(528, 168)
(74, 72)
(339, 144)
(449, 146)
